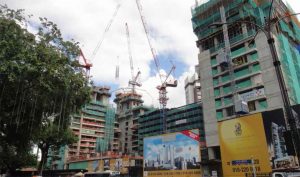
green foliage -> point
(40, 80)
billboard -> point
(174, 155)
(256, 143)
(280, 145)
(94, 166)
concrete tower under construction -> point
(129, 107)
(94, 126)
(235, 61)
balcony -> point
(72, 150)
(92, 123)
(134, 126)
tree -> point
(52, 138)
(40, 79)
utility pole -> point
(290, 114)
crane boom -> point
(139, 6)
(105, 31)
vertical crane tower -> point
(162, 88)
(134, 79)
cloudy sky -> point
(169, 26)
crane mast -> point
(163, 99)
(129, 51)
(134, 79)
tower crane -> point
(87, 64)
(134, 79)
(165, 82)
(105, 31)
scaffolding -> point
(208, 13)
(104, 144)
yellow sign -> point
(112, 164)
(244, 147)
(101, 165)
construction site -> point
(235, 78)
(110, 133)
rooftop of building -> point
(104, 90)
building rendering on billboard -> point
(174, 154)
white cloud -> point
(85, 21)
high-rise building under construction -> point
(129, 107)
(235, 62)
(95, 126)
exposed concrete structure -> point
(192, 89)
(250, 73)
(129, 107)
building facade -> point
(95, 127)
(186, 117)
(129, 107)
(246, 70)
(192, 89)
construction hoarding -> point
(257, 143)
(94, 166)
(118, 164)
(172, 155)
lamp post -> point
(290, 114)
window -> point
(240, 60)
(263, 104)
(218, 103)
(216, 81)
(256, 67)
(219, 114)
(207, 44)
(213, 61)
(225, 78)
(253, 56)
(223, 68)
(227, 89)
(244, 83)
(220, 38)
(228, 100)
(251, 106)
(235, 31)
(241, 72)
(217, 92)
(229, 111)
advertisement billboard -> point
(94, 166)
(172, 155)
(280, 146)
(255, 144)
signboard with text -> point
(257, 143)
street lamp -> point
(291, 117)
